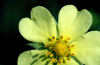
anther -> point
(51, 55)
(65, 41)
(55, 60)
(72, 45)
(68, 38)
(46, 45)
(73, 54)
(69, 50)
(68, 54)
(47, 53)
(58, 40)
(52, 60)
(53, 37)
(59, 62)
(51, 43)
(68, 59)
(68, 46)
(50, 48)
(61, 37)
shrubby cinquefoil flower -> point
(64, 43)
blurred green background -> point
(12, 11)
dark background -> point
(12, 11)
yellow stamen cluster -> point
(46, 45)
(58, 49)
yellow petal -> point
(40, 28)
(87, 48)
(72, 23)
(33, 57)
(44, 20)
(69, 62)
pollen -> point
(68, 38)
(48, 53)
(72, 45)
(61, 37)
(46, 45)
(59, 62)
(52, 60)
(65, 41)
(69, 49)
(53, 37)
(51, 55)
(50, 48)
(73, 54)
(55, 60)
(68, 59)
(51, 42)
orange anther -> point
(52, 60)
(59, 62)
(47, 53)
(68, 46)
(68, 38)
(69, 50)
(65, 41)
(73, 54)
(50, 48)
(61, 37)
(72, 45)
(55, 60)
(51, 42)
(68, 59)
(53, 37)
(46, 45)
(51, 55)
(58, 40)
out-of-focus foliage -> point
(96, 20)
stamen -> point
(59, 62)
(72, 45)
(68, 59)
(61, 37)
(68, 46)
(68, 38)
(51, 42)
(69, 50)
(65, 41)
(68, 55)
(73, 54)
(51, 55)
(55, 60)
(52, 60)
(53, 37)
(56, 41)
(46, 45)
(47, 53)
(50, 48)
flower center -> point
(60, 48)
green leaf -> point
(36, 45)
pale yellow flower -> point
(65, 42)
